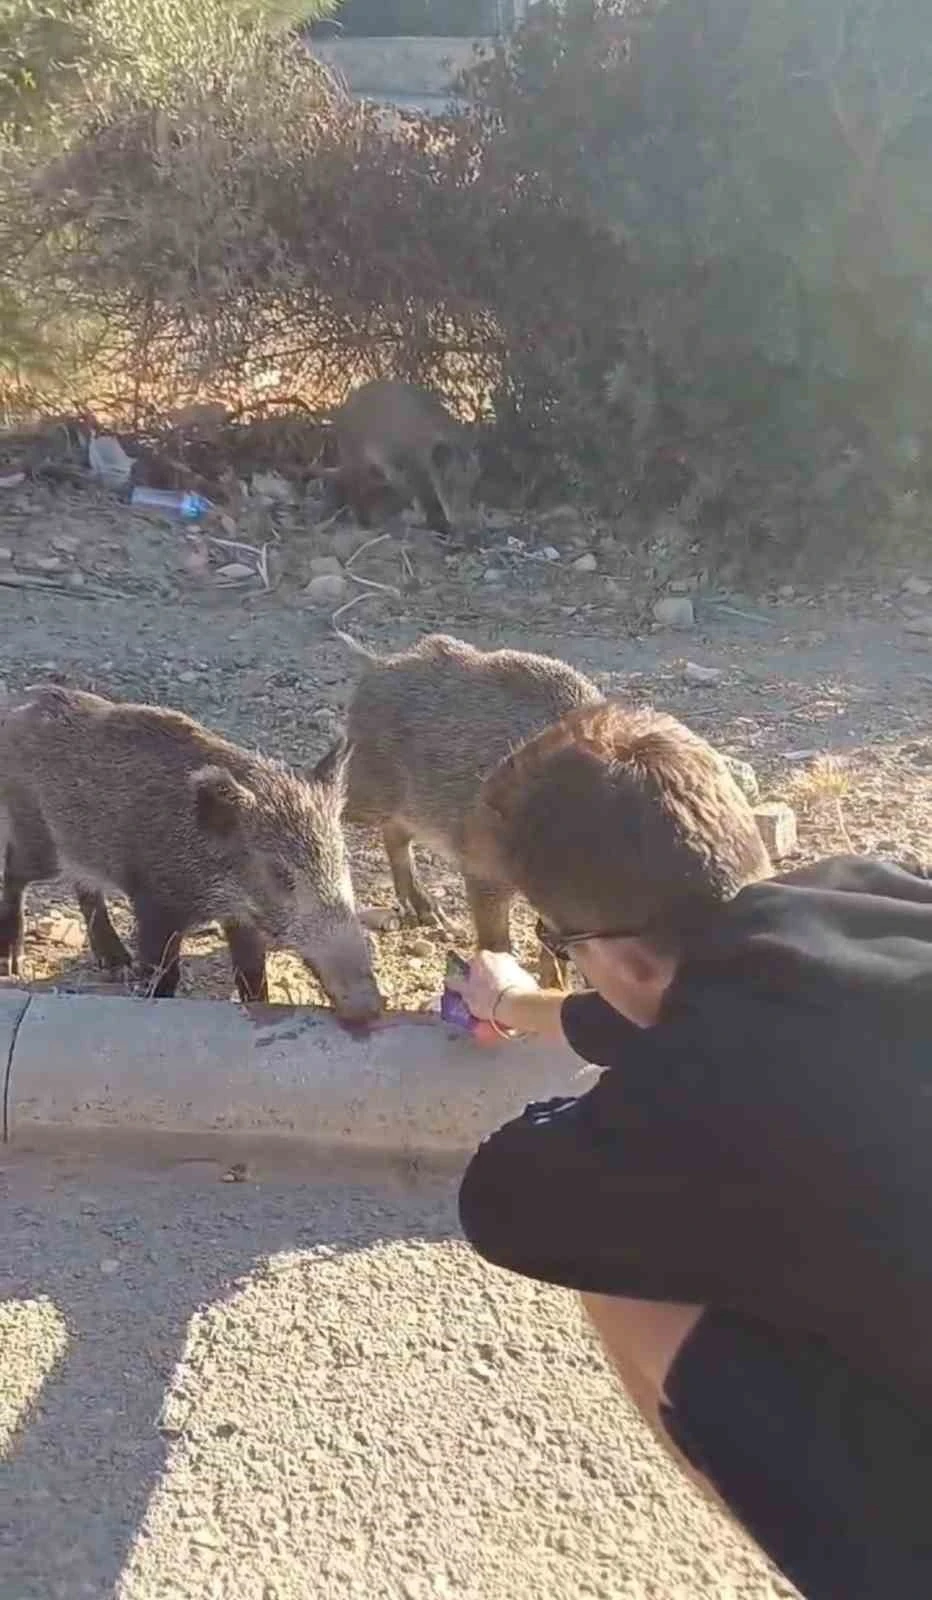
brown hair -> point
(617, 819)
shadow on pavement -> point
(126, 1258)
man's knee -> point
(490, 1207)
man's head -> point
(624, 825)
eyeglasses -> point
(560, 945)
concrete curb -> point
(410, 1085)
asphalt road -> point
(295, 1386)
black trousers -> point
(829, 1471)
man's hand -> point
(492, 974)
(497, 988)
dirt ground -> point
(98, 596)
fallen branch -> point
(21, 580)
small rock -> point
(492, 575)
(786, 592)
(776, 824)
(919, 586)
(272, 486)
(693, 672)
(922, 625)
(586, 563)
(235, 571)
(66, 543)
(379, 919)
(675, 611)
(109, 1266)
(422, 948)
(67, 931)
(682, 585)
(76, 580)
(745, 777)
(47, 563)
(320, 566)
(197, 562)
(325, 719)
(12, 480)
(6, 553)
(188, 676)
(327, 590)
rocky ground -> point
(232, 623)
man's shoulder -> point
(853, 928)
(873, 875)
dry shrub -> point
(256, 232)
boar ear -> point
(333, 767)
(220, 803)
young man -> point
(744, 1198)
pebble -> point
(188, 676)
(197, 562)
(327, 590)
(919, 586)
(745, 777)
(776, 824)
(272, 486)
(47, 563)
(921, 625)
(693, 672)
(321, 566)
(66, 931)
(76, 580)
(109, 1266)
(234, 571)
(586, 563)
(786, 592)
(6, 553)
(422, 948)
(675, 611)
(66, 543)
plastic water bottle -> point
(181, 503)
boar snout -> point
(342, 963)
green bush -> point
(680, 247)
(766, 162)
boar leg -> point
(107, 947)
(247, 953)
(425, 491)
(12, 926)
(416, 904)
(159, 947)
(551, 973)
(489, 904)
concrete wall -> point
(414, 73)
